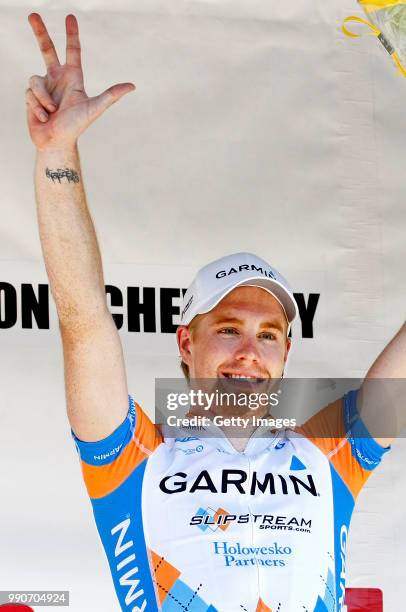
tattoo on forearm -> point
(60, 173)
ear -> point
(287, 349)
(184, 338)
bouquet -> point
(387, 21)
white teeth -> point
(242, 377)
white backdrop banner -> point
(255, 126)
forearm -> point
(382, 399)
(68, 238)
(391, 363)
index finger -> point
(72, 41)
(44, 40)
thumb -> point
(100, 103)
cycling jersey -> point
(189, 524)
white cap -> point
(213, 282)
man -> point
(210, 521)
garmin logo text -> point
(127, 579)
(343, 553)
(252, 267)
(114, 451)
(231, 480)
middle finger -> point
(44, 40)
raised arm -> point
(382, 399)
(58, 111)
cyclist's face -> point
(245, 334)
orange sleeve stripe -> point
(146, 433)
(101, 480)
(352, 473)
(338, 450)
(344, 462)
(329, 419)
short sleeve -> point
(339, 432)
(107, 450)
(108, 463)
(364, 447)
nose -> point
(248, 350)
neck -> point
(237, 427)
(239, 443)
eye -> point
(268, 336)
(228, 331)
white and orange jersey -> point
(189, 524)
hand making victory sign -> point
(58, 108)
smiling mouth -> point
(243, 378)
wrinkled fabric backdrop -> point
(255, 126)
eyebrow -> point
(274, 324)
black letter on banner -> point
(306, 313)
(116, 299)
(147, 308)
(8, 318)
(30, 305)
(168, 310)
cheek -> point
(271, 355)
(209, 352)
(275, 352)
(276, 348)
